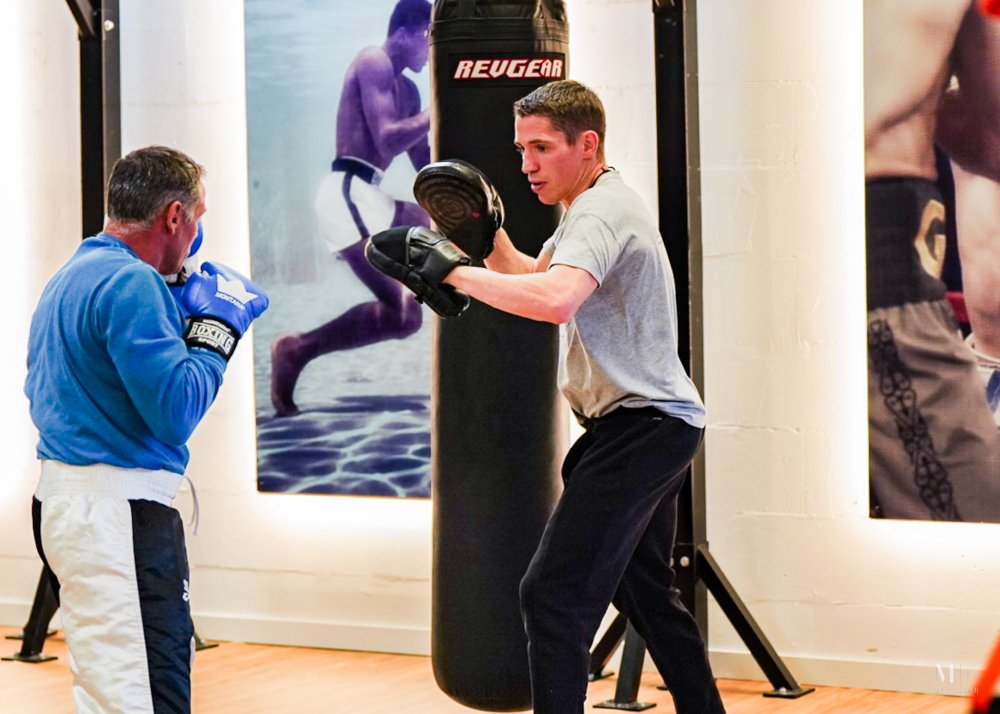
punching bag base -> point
(487, 701)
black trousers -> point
(609, 541)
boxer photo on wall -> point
(337, 127)
(932, 192)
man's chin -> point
(173, 268)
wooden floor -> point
(237, 678)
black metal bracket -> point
(87, 18)
(37, 628)
(678, 165)
(605, 648)
(200, 644)
(20, 635)
(753, 637)
(707, 570)
(627, 689)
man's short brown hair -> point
(571, 107)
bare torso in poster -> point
(932, 159)
(337, 128)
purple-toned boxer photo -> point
(378, 118)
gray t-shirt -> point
(620, 349)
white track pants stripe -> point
(88, 544)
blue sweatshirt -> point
(110, 378)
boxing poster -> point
(932, 196)
(337, 126)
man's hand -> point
(222, 303)
(420, 259)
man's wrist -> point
(454, 276)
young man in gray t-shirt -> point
(604, 276)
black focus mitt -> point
(462, 203)
(420, 259)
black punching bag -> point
(499, 425)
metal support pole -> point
(100, 103)
(37, 628)
(680, 224)
(605, 648)
(627, 689)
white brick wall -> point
(844, 599)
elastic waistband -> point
(357, 167)
(58, 478)
(591, 422)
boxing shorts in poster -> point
(337, 127)
(932, 202)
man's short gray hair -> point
(147, 180)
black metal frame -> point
(100, 146)
(100, 103)
(32, 637)
(679, 207)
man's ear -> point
(591, 143)
(172, 215)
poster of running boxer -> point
(932, 165)
(337, 125)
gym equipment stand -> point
(675, 33)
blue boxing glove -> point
(222, 303)
(196, 243)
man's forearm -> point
(400, 135)
(550, 296)
(526, 295)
